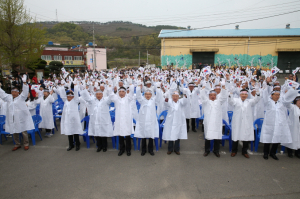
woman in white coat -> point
(123, 118)
(100, 124)
(70, 120)
(175, 123)
(46, 112)
(294, 124)
(213, 121)
(31, 103)
(275, 128)
(147, 125)
(18, 118)
(242, 121)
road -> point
(48, 170)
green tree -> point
(20, 37)
(55, 66)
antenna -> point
(56, 16)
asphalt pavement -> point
(48, 170)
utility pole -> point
(147, 57)
(139, 58)
(94, 64)
(56, 16)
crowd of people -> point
(179, 92)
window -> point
(68, 57)
(77, 57)
(46, 57)
(57, 58)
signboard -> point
(39, 74)
(5, 72)
(69, 63)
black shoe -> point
(297, 155)
(194, 130)
(128, 153)
(290, 155)
(151, 153)
(206, 153)
(217, 154)
(265, 157)
(120, 153)
(77, 148)
(70, 148)
(104, 150)
(143, 153)
(99, 149)
(274, 156)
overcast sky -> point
(196, 13)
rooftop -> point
(230, 33)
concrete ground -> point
(48, 170)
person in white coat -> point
(294, 124)
(46, 112)
(123, 118)
(175, 123)
(275, 128)
(147, 125)
(192, 110)
(242, 121)
(31, 103)
(70, 120)
(18, 118)
(100, 124)
(213, 121)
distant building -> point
(76, 57)
(232, 47)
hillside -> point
(115, 28)
(122, 39)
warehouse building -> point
(263, 48)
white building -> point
(96, 58)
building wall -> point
(53, 53)
(101, 60)
(258, 51)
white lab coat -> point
(175, 124)
(294, 124)
(242, 119)
(275, 128)
(123, 114)
(18, 118)
(147, 125)
(70, 119)
(213, 120)
(46, 112)
(31, 107)
(82, 110)
(100, 122)
(192, 109)
(3, 106)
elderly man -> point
(242, 121)
(18, 118)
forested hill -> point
(123, 39)
(114, 28)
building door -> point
(203, 58)
(288, 61)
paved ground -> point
(48, 170)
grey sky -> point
(197, 13)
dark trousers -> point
(244, 149)
(216, 145)
(101, 142)
(122, 143)
(71, 140)
(267, 148)
(172, 147)
(144, 145)
(290, 151)
(48, 130)
(193, 123)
